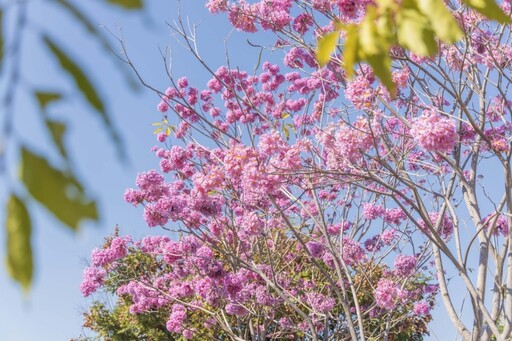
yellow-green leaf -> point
(58, 191)
(414, 30)
(350, 50)
(87, 89)
(158, 130)
(442, 21)
(369, 40)
(286, 132)
(19, 249)
(127, 4)
(326, 45)
(488, 8)
(374, 49)
(57, 131)
(91, 28)
(44, 98)
(381, 66)
(385, 27)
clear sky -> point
(53, 309)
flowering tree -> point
(309, 205)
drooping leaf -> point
(57, 131)
(81, 81)
(414, 30)
(19, 260)
(87, 89)
(127, 4)
(489, 9)
(286, 132)
(58, 191)
(326, 46)
(44, 98)
(374, 49)
(93, 30)
(442, 21)
(350, 50)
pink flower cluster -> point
(434, 132)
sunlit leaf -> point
(127, 4)
(350, 50)
(56, 190)
(369, 41)
(44, 98)
(168, 131)
(326, 46)
(442, 21)
(57, 130)
(158, 130)
(374, 49)
(286, 132)
(385, 27)
(489, 8)
(414, 31)
(86, 87)
(19, 249)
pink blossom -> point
(386, 294)
(92, 280)
(421, 309)
(405, 265)
(434, 133)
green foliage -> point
(119, 324)
(85, 86)
(326, 45)
(127, 4)
(415, 31)
(44, 98)
(57, 131)
(489, 9)
(413, 24)
(19, 250)
(58, 191)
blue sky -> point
(53, 309)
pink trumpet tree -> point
(307, 205)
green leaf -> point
(58, 191)
(414, 30)
(86, 23)
(19, 260)
(442, 21)
(326, 45)
(127, 4)
(351, 47)
(44, 98)
(374, 49)
(86, 88)
(286, 132)
(57, 131)
(489, 9)
(81, 81)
